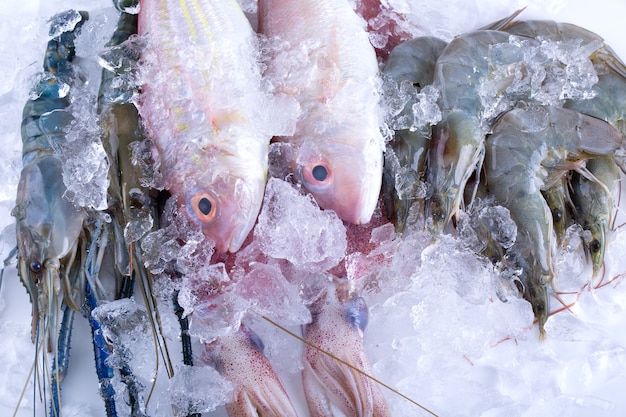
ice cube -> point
(125, 325)
(197, 389)
(270, 294)
(291, 226)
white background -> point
(579, 375)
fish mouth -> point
(239, 238)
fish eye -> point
(557, 215)
(316, 174)
(203, 206)
(35, 266)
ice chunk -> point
(217, 316)
(207, 298)
(64, 22)
(426, 112)
(179, 243)
(487, 229)
(96, 32)
(292, 227)
(270, 294)
(140, 223)
(201, 285)
(142, 159)
(570, 266)
(125, 325)
(85, 172)
(396, 100)
(280, 153)
(542, 71)
(122, 60)
(197, 389)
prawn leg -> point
(61, 361)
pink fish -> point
(328, 66)
(202, 102)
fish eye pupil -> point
(205, 206)
(35, 266)
(319, 172)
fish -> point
(327, 65)
(201, 101)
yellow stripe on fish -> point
(204, 110)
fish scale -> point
(204, 110)
(328, 66)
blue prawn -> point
(50, 229)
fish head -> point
(342, 178)
(226, 209)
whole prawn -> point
(529, 150)
(458, 140)
(50, 229)
(413, 63)
(130, 206)
(595, 210)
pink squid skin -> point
(258, 391)
(329, 67)
(337, 328)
